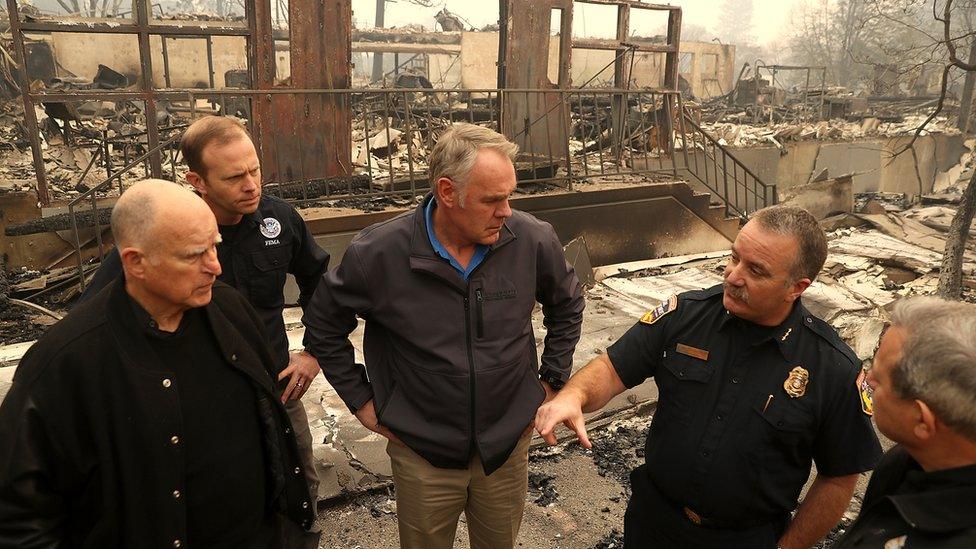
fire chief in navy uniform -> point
(753, 388)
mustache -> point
(736, 293)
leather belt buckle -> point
(692, 516)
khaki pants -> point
(303, 436)
(430, 500)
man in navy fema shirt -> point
(753, 388)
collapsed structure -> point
(669, 147)
(633, 147)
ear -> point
(193, 178)
(134, 262)
(798, 288)
(444, 192)
(926, 422)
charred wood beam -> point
(319, 188)
(59, 222)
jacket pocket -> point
(269, 268)
(479, 308)
(429, 411)
(782, 434)
(682, 382)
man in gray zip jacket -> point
(447, 293)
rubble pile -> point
(72, 134)
(737, 134)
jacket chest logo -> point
(270, 228)
(503, 294)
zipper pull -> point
(479, 295)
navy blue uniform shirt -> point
(727, 439)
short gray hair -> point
(457, 149)
(938, 361)
(137, 211)
(802, 225)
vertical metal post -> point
(30, 117)
(684, 136)
(377, 56)
(409, 135)
(74, 230)
(725, 181)
(145, 61)
(210, 62)
(166, 75)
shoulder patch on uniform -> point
(864, 391)
(666, 306)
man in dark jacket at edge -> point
(923, 493)
(447, 293)
(148, 417)
(263, 239)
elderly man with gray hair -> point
(923, 492)
(148, 417)
(447, 293)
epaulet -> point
(827, 333)
(703, 294)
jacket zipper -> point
(467, 334)
(479, 309)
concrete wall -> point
(477, 67)
(81, 54)
(708, 76)
(870, 162)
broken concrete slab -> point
(878, 246)
(822, 198)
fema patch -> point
(864, 392)
(667, 306)
(270, 227)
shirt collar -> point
(785, 334)
(480, 250)
(253, 218)
(148, 325)
(938, 501)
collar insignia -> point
(796, 383)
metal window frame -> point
(143, 26)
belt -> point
(722, 524)
(697, 519)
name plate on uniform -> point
(694, 352)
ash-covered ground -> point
(576, 498)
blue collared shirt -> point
(480, 250)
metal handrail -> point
(761, 193)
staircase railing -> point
(713, 165)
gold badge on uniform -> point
(864, 391)
(667, 306)
(796, 383)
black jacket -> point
(452, 364)
(85, 452)
(256, 264)
(933, 510)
